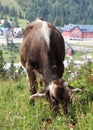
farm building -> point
(1, 22)
(17, 32)
(69, 49)
(72, 31)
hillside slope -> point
(11, 3)
(59, 12)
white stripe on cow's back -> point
(45, 31)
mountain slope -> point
(11, 3)
(59, 12)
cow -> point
(43, 52)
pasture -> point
(17, 114)
(11, 52)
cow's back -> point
(57, 46)
(33, 42)
(43, 46)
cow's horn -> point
(37, 95)
(76, 90)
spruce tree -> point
(12, 70)
(1, 64)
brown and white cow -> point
(42, 50)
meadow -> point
(17, 114)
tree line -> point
(58, 12)
(11, 12)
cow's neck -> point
(49, 72)
(49, 75)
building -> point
(69, 49)
(1, 22)
(17, 32)
(72, 31)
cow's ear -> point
(26, 30)
(61, 80)
(65, 84)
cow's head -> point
(57, 92)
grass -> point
(8, 54)
(16, 112)
(77, 55)
(85, 120)
(22, 23)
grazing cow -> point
(42, 51)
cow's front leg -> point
(65, 108)
(32, 81)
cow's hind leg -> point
(32, 81)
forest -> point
(59, 12)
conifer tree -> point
(1, 64)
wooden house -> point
(72, 31)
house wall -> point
(87, 35)
(77, 33)
(66, 34)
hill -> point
(10, 3)
(17, 114)
(10, 8)
(59, 12)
